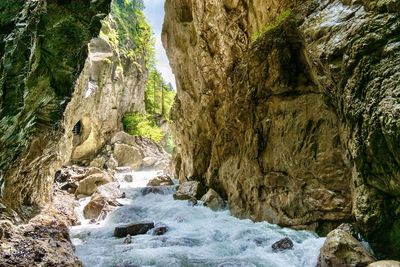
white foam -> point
(197, 236)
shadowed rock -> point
(213, 200)
(133, 229)
(282, 244)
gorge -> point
(288, 111)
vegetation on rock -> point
(42, 50)
(272, 25)
(133, 33)
(140, 124)
(134, 37)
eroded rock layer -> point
(290, 109)
(43, 48)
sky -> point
(154, 12)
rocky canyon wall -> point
(111, 84)
(290, 109)
(83, 72)
(43, 48)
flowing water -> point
(197, 236)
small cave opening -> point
(77, 129)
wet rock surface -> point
(212, 200)
(283, 244)
(159, 229)
(133, 229)
(189, 190)
(153, 190)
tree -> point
(158, 95)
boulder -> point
(189, 190)
(127, 155)
(161, 180)
(75, 173)
(283, 244)
(133, 229)
(149, 161)
(70, 187)
(128, 178)
(213, 200)
(89, 184)
(159, 230)
(112, 163)
(98, 162)
(386, 263)
(110, 190)
(123, 138)
(95, 207)
(342, 249)
(152, 190)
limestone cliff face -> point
(290, 109)
(76, 83)
(110, 85)
(43, 47)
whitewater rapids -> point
(197, 236)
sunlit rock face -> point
(290, 110)
(110, 85)
(43, 47)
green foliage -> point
(169, 146)
(38, 66)
(133, 34)
(159, 96)
(139, 124)
(274, 24)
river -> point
(197, 236)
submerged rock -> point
(189, 190)
(128, 178)
(159, 229)
(128, 239)
(152, 190)
(213, 200)
(192, 201)
(161, 180)
(283, 244)
(133, 229)
(342, 249)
